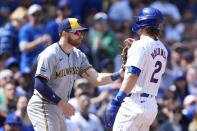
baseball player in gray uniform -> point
(145, 64)
(58, 67)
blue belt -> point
(141, 95)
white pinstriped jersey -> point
(61, 69)
(150, 56)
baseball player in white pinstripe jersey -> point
(135, 104)
(58, 67)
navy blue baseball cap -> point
(70, 24)
(13, 119)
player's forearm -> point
(106, 78)
(45, 90)
(98, 79)
(128, 83)
(126, 87)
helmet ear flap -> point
(136, 26)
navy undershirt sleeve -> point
(42, 87)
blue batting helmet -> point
(148, 17)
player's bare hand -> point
(66, 108)
(129, 41)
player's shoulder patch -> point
(43, 69)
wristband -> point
(120, 96)
(115, 76)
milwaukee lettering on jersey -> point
(67, 71)
(158, 51)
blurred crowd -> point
(27, 27)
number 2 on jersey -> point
(158, 66)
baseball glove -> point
(128, 42)
(124, 56)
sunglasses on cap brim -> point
(79, 32)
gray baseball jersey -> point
(61, 69)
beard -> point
(74, 42)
